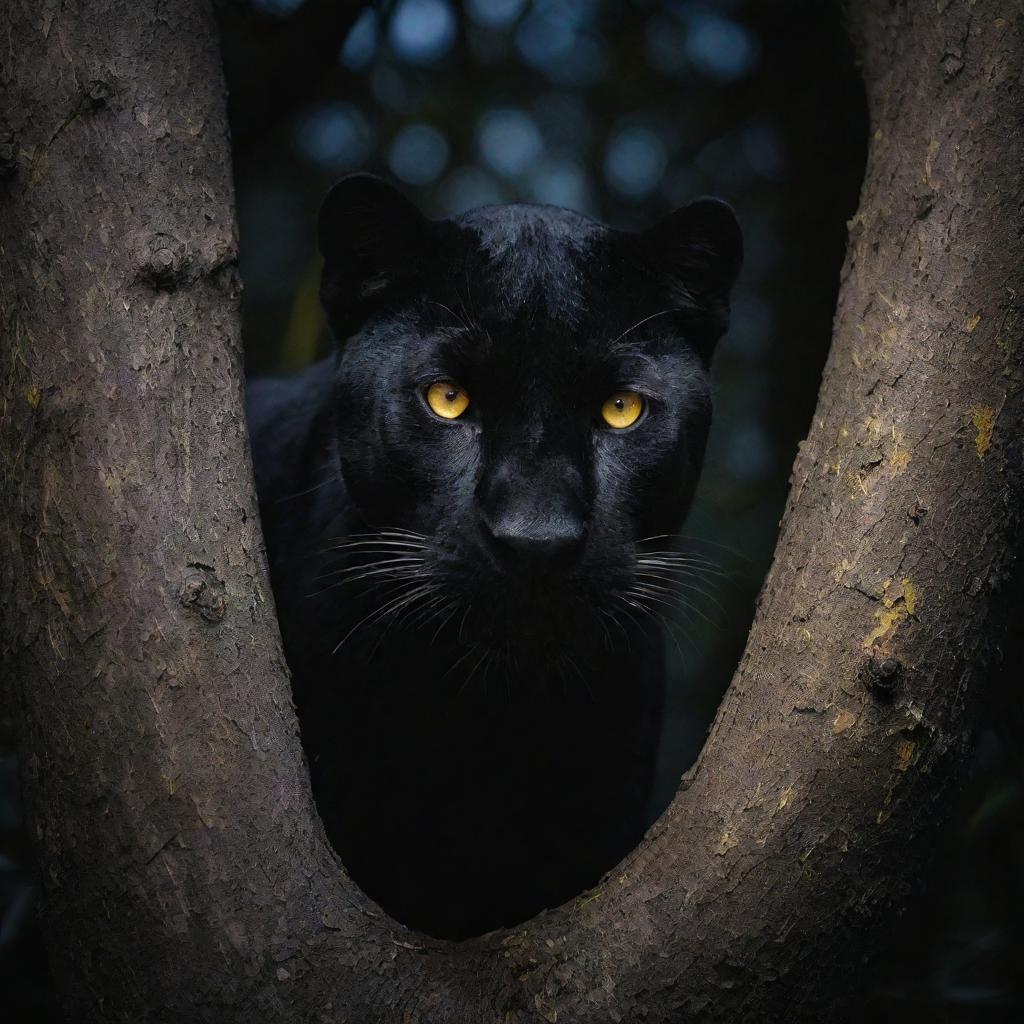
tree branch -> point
(186, 873)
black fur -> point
(485, 748)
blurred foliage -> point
(621, 110)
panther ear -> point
(697, 253)
(700, 249)
(371, 238)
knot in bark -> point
(162, 262)
(96, 95)
(880, 676)
(165, 262)
(203, 593)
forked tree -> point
(185, 872)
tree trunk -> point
(185, 871)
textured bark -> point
(185, 870)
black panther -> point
(466, 511)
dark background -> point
(622, 111)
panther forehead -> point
(506, 231)
(536, 253)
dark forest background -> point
(622, 111)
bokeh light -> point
(422, 31)
(508, 141)
(635, 161)
(418, 154)
(361, 43)
(336, 135)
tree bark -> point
(185, 871)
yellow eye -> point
(622, 409)
(447, 400)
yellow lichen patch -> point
(883, 814)
(972, 322)
(110, 481)
(911, 595)
(33, 396)
(888, 336)
(844, 720)
(787, 795)
(984, 419)
(906, 755)
(856, 484)
(897, 309)
(897, 608)
(887, 622)
(726, 843)
(899, 460)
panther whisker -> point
(681, 575)
(394, 562)
(687, 538)
(400, 562)
(400, 614)
(473, 671)
(462, 621)
(373, 544)
(458, 661)
(397, 532)
(640, 323)
(670, 625)
(639, 607)
(387, 608)
(422, 616)
(308, 490)
(390, 578)
(610, 614)
(444, 622)
(675, 585)
(608, 645)
(667, 559)
(671, 560)
(394, 574)
(462, 323)
(678, 602)
(586, 683)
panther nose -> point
(553, 543)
